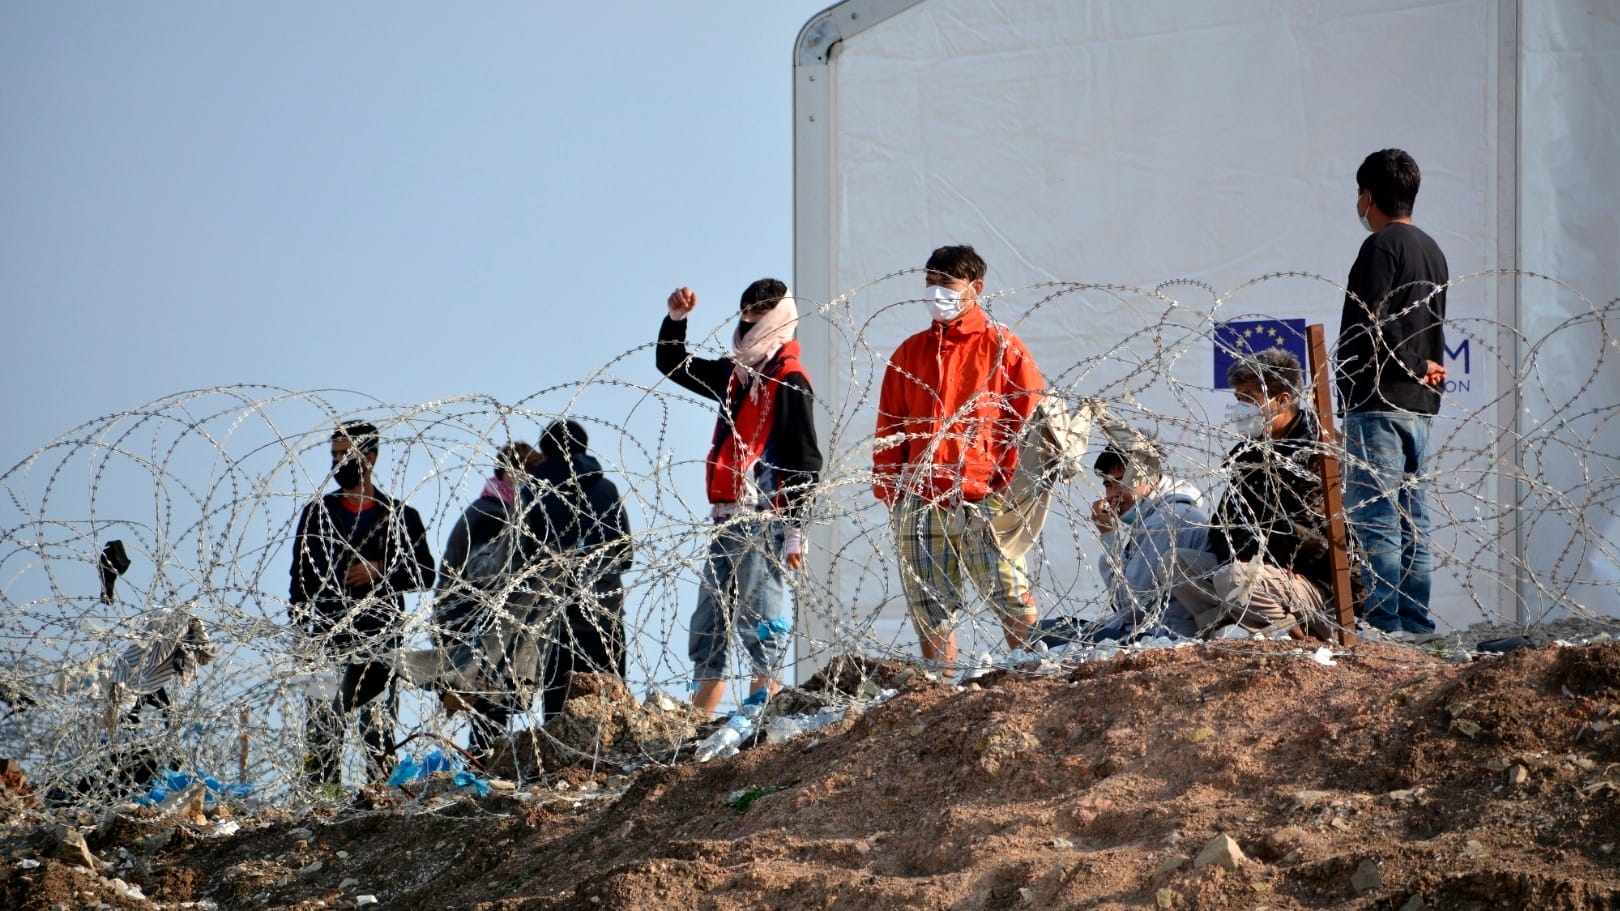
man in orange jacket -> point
(953, 403)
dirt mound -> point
(1390, 780)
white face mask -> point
(1366, 225)
(1245, 419)
(944, 304)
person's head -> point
(515, 460)
(758, 298)
(955, 275)
(1386, 187)
(354, 454)
(1267, 386)
(562, 439)
(1126, 478)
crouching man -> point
(1267, 564)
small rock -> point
(1026, 894)
(300, 833)
(361, 901)
(506, 785)
(1415, 903)
(1199, 735)
(348, 883)
(1061, 842)
(128, 891)
(312, 869)
(1517, 776)
(1221, 851)
(1607, 848)
(1367, 878)
(1472, 848)
(1310, 800)
(1338, 822)
(70, 848)
(342, 855)
(1278, 844)
(1170, 864)
(1466, 727)
(1164, 898)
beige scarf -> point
(773, 330)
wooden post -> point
(242, 757)
(1332, 490)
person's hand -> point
(362, 573)
(682, 302)
(1103, 515)
(793, 549)
(1434, 374)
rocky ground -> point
(1230, 775)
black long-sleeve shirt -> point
(330, 538)
(1272, 507)
(1393, 321)
(792, 452)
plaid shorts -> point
(938, 546)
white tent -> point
(1131, 143)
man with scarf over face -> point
(763, 462)
(356, 553)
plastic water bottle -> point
(723, 743)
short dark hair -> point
(1113, 459)
(563, 438)
(1392, 177)
(518, 456)
(362, 435)
(957, 262)
(762, 295)
(1273, 370)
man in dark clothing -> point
(1268, 558)
(581, 549)
(1389, 359)
(356, 552)
(762, 465)
(479, 594)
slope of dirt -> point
(1389, 781)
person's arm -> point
(891, 450)
(705, 376)
(456, 547)
(304, 578)
(412, 572)
(1020, 392)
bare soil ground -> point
(1391, 780)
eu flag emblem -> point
(1239, 339)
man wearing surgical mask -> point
(1268, 560)
(356, 553)
(953, 403)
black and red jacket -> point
(765, 436)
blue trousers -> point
(1386, 494)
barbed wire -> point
(106, 692)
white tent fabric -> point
(1130, 144)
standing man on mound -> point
(953, 405)
(763, 463)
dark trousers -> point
(589, 639)
(324, 729)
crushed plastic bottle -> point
(723, 742)
(786, 727)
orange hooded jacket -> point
(954, 399)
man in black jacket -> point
(356, 552)
(1268, 547)
(1391, 373)
(762, 466)
(580, 549)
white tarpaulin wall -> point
(1129, 144)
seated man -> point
(1145, 519)
(1268, 548)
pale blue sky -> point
(401, 199)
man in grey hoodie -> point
(1144, 519)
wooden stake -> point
(242, 756)
(1332, 491)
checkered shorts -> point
(938, 546)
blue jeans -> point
(742, 589)
(1386, 500)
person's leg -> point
(1195, 590)
(763, 624)
(1271, 595)
(709, 636)
(1373, 471)
(1001, 579)
(323, 739)
(362, 684)
(1417, 561)
(557, 663)
(930, 577)
(489, 721)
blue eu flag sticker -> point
(1245, 337)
